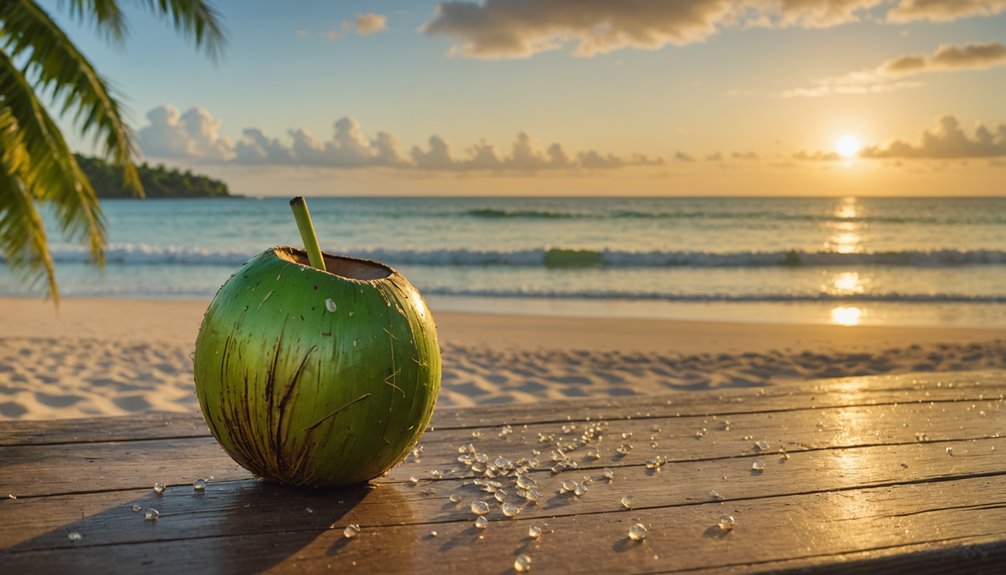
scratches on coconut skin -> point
(265, 299)
(283, 408)
(338, 411)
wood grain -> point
(886, 473)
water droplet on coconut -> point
(522, 564)
(758, 466)
(481, 522)
(136, 507)
(455, 498)
(151, 514)
(351, 530)
(356, 343)
(479, 507)
(726, 522)
(330, 305)
(74, 536)
(638, 532)
(534, 531)
(509, 509)
(159, 488)
(199, 485)
(627, 501)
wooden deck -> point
(883, 473)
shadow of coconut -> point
(231, 527)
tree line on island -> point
(158, 181)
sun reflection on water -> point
(846, 315)
(846, 238)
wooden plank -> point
(962, 386)
(386, 504)
(799, 530)
(70, 468)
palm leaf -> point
(22, 235)
(105, 15)
(57, 67)
(195, 20)
(45, 165)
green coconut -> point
(317, 377)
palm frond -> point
(45, 165)
(195, 20)
(22, 234)
(104, 15)
(57, 67)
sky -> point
(579, 97)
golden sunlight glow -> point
(847, 146)
(848, 282)
(843, 315)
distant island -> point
(158, 181)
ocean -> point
(885, 261)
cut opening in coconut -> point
(349, 268)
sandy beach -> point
(119, 356)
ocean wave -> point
(725, 298)
(767, 216)
(554, 257)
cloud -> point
(192, 135)
(947, 140)
(520, 29)
(368, 23)
(943, 10)
(683, 157)
(744, 156)
(892, 75)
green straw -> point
(300, 213)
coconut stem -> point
(300, 213)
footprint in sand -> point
(132, 403)
(57, 400)
(12, 409)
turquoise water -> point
(911, 261)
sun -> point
(847, 146)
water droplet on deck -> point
(481, 522)
(330, 305)
(627, 501)
(567, 487)
(199, 485)
(414, 481)
(715, 496)
(136, 508)
(433, 533)
(74, 536)
(455, 498)
(726, 522)
(580, 489)
(761, 445)
(532, 495)
(351, 530)
(159, 488)
(151, 514)
(758, 466)
(522, 564)
(500, 495)
(609, 474)
(638, 532)
(479, 507)
(950, 451)
(534, 531)
(509, 509)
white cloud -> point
(519, 28)
(946, 140)
(369, 23)
(192, 135)
(892, 75)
